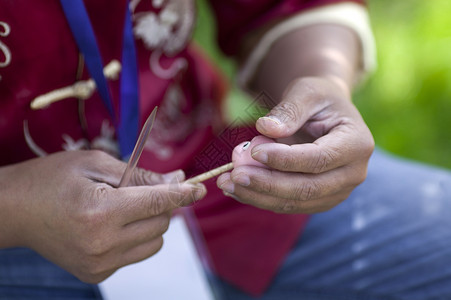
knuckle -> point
(94, 279)
(159, 244)
(321, 162)
(145, 177)
(330, 205)
(264, 185)
(332, 202)
(286, 161)
(313, 209)
(323, 208)
(288, 207)
(94, 245)
(287, 111)
(91, 270)
(141, 177)
(360, 176)
(340, 198)
(97, 155)
(369, 146)
(154, 246)
(91, 213)
(158, 204)
(94, 220)
(365, 144)
(101, 194)
(163, 225)
(245, 199)
(306, 191)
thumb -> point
(283, 120)
(299, 102)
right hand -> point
(320, 154)
(65, 206)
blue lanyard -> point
(81, 27)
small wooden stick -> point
(210, 174)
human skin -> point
(241, 155)
(67, 208)
(323, 144)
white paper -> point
(173, 273)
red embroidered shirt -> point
(38, 55)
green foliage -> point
(407, 101)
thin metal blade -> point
(139, 146)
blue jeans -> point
(390, 240)
(25, 275)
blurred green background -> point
(407, 101)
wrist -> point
(341, 84)
(321, 51)
(11, 212)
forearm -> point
(321, 144)
(10, 213)
(323, 50)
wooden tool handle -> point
(210, 174)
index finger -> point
(341, 146)
(143, 202)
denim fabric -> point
(390, 240)
(25, 275)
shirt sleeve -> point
(236, 18)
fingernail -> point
(228, 187)
(260, 156)
(231, 196)
(273, 119)
(242, 179)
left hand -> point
(321, 155)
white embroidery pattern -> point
(71, 145)
(166, 128)
(30, 142)
(171, 125)
(157, 3)
(104, 142)
(153, 32)
(4, 31)
(166, 33)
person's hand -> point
(66, 208)
(321, 156)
